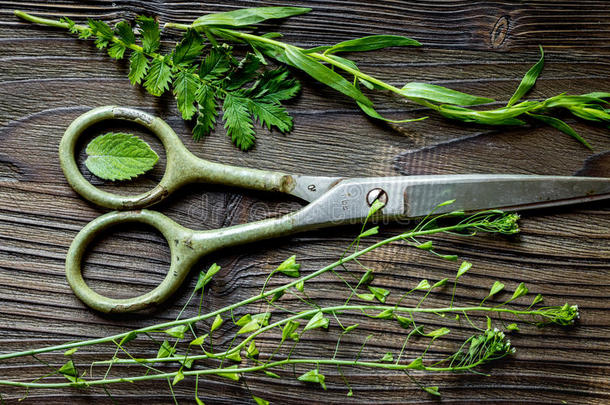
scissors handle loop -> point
(182, 258)
(182, 167)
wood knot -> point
(499, 32)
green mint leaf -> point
(125, 33)
(215, 64)
(562, 126)
(158, 77)
(185, 90)
(238, 122)
(528, 80)
(151, 35)
(248, 16)
(317, 321)
(313, 376)
(321, 73)
(439, 94)
(371, 43)
(513, 327)
(138, 65)
(119, 156)
(189, 49)
(271, 115)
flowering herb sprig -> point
(245, 93)
(189, 348)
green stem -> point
(118, 337)
(216, 371)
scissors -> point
(331, 201)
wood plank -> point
(47, 79)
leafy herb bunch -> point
(200, 84)
(220, 78)
(267, 334)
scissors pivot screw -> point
(377, 194)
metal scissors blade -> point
(349, 200)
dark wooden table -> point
(48, 78)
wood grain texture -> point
(48, 78)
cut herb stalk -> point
(245, 94)
(193, 356)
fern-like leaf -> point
(189, 49)
(271, 115)
(238, 122)
(158, 77)
(138, 65)
(151, 35)
(185, 89)
(206, 119)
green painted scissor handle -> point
(182, 166)
(186, 248)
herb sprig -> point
(199, 86)
(190, 348)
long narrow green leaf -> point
(440, 94)
(371, 43)
(324, 75)
(528, 80)
(248, 16)
(371, 112)
(562, 126)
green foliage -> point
(528, 80)
(283, 346)
(313, 376)
(201, 85)
(248, 16)
(119, 156)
